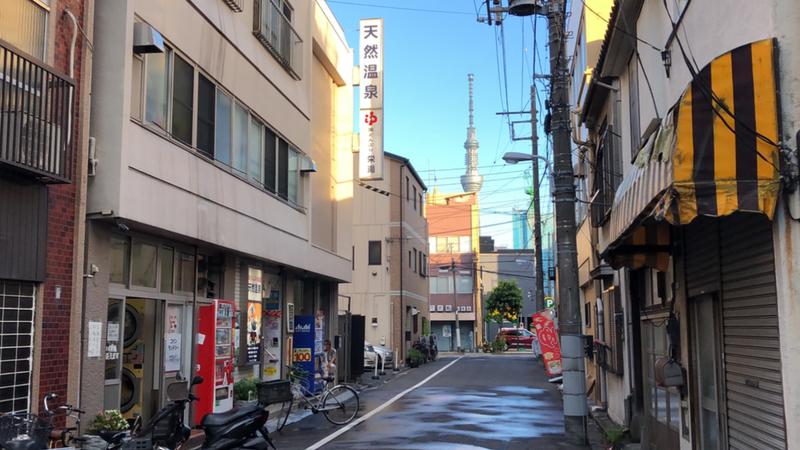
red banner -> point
(548, 341)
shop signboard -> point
(370, 158)
(548, 341)
(303, 350)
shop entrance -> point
(147, 346)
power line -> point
(618, 28)
(401, 8)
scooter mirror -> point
(197, 380)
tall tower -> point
(471, 181)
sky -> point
(430, 47)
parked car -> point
(517, 337)
(370, 356)
(385, 354)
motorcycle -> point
(239, 428)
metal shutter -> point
(702, 256)
(752, 365)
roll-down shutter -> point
(702, 256)
(752, 365)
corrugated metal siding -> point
(23, 230)
(702, 256)
(751, 346)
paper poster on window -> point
(319, 331)
(253, 331)
(254, 284)
(172, 352)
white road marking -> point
(380, 408)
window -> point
(408, 195)
(273, 28)
(464, 284)
(182, 100)
(270, 160)
(374, 253)
(420, 205)
(415, 198)
(167, 257)
(464, 244)
(118, 273)
(255, 150)
(607, 176)
(432, 244)
(185, 272)
(17, 342)
(409, 259)
(283, 168)
(206, 95)
(415, 260)
(441, 285)
(421, 264)
(222, 127)
(136, 87)
(293, 176)
(241, 127)
(157, 68)
(23, 23)
(143, 264)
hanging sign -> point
(370, 156)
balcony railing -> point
(275, 31)
(35, 109)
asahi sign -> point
(370, 156)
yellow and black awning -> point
(714, 154)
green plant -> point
(615, 435)
(244, 389)
(415, 357)
(499, 345)
(109, 420)
(504, 302)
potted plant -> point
(414, 357)
(106, 423)
(244, 390)
(614, 437)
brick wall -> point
(62, 208)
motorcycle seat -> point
(223, 418)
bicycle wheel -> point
(282, 423)
(340, 404)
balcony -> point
(275, 31)
(35, 109)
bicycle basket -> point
(271, 392)
(35, 427)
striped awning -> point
(714, 154)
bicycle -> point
(338, 403)
(67, 436)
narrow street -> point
(472, 402)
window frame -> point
(375, 259)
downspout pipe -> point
(402, 305)
(74, 39)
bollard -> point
(394, 363)
(375, 375)
(383, 367)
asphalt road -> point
(477, 402)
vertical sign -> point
(303, 349)
(172, 340)
(370, 155)
(253, 317)
(548, 341)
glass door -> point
(113, 354)
(175, 351)
(706, 354)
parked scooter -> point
(239, 428)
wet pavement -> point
(478, 402)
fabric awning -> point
(715, 153)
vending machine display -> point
(215, 358)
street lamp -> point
(515, 157)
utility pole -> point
(538, 299)
(569, 313)
(455, 304)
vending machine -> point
(215, 358)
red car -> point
(516, 337)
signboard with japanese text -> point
(370, 156)
(548, 341)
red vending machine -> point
(215, 358)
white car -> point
(370, 355)
(385, 354)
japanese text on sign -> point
(370, 164)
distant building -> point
(486, 244)
(509, 265)
(390, 267)
(523, 236)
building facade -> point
(453, 229)
(692, 159)
(219, 210)
(508, 265)
(390, 266)
(44, 102)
